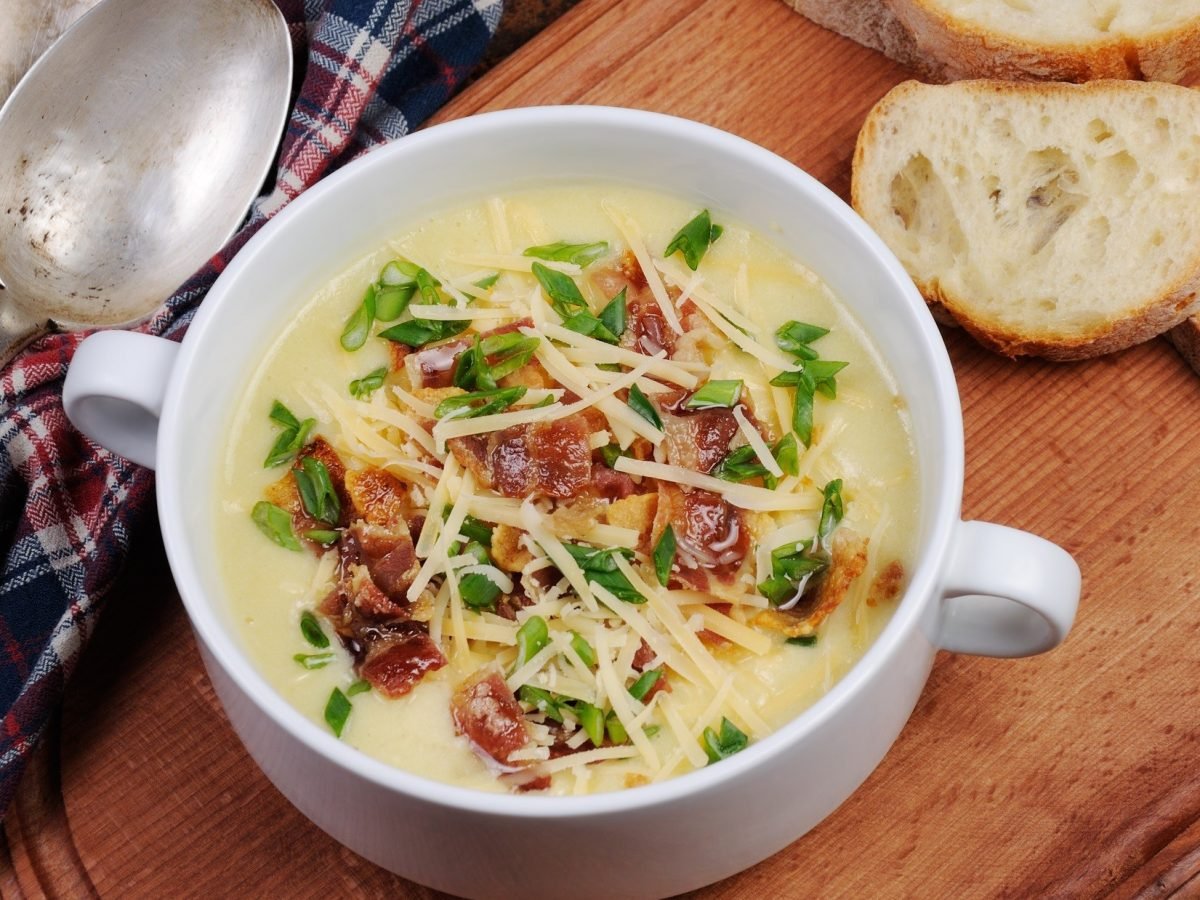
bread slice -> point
(1052, 40)
(1055, 220)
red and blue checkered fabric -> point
(372, 71)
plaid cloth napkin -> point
(68, 508)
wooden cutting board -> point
(1072, 774)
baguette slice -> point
(1053, 40)
(1053, 220)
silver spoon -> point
(130, 153)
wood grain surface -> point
(1073, 774)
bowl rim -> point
(223, 647)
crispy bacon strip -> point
(551, 459)
(395, 664)
(710, 534)
(488, 715)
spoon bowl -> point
(129, 154)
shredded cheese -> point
(754, 439)
(742, 495)
(637, 247)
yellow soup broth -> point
(722, 652)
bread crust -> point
(1174, 305)
(942, 47)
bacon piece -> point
(643, 657)
(698, 439)
(548, 458)
(390, 557)
(377, 496)
(710, 534)
(485, 711)
(610, 484)
(396, 663)
(646, 329)
(849, 559)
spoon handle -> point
(17, 328)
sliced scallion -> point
(803, 640)
(716, 393)
(719, 745)
(363, 388)
(337, 711)
(561, 289)
(317, 494)
(580, 645)
(591, 718)
(694, 239)
(664, 555)
(640, 688)
(531, 638)
(479, 403)
(561, 251)
(275, 523)
(311, 630)
(641, 405)
(358, 687)
(614, 314)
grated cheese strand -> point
(741, 495)
(628, 230)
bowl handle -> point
(114, 390)
(1008, 593)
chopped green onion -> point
(664, 555)
(275, 523)
(478, 591)
(464, 406)
(474, 530)
(363, 388)
(610, 367)
(416, 333)
(591, 718)
(428, 286)
(614, 314)
(600, 567)
(822, 372)
(489, 359)
(722, 745)
(542, 700)
(284, 416)
(291, 439)
(580, 645)
(640, 688)
(358, 687)
(794, 337)
(313, 660)
(589, 326)
(561, 251)
(832, 509)
(323, 536)
(391, 302)
(610, 453)
(488, 281)
(358, 326)
(337, 711)
(531, 638)
(694, 239)
(791, 566)
(311, 629)
(803, 640)
(741, 464)
(651, 730)
(641, 405)
(802, 402)
(398, 273)
(787, 454)
(616, 731)
(317, 494)
(724, 393)
(561, 289)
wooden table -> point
(1072, 774)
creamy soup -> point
(571, 490)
